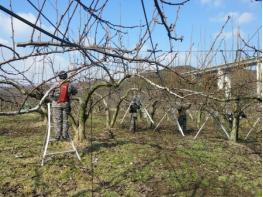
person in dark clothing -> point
(134, 107)
(182, 115)
(229, 117)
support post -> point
(160, 121)
(254, 125)
(148, 115)
(179, 127)
(190, 115)
(223, 128)
(201, 127)
(125, 113)
(177, 123)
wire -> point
(36, 27)
(204, 51)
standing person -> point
(182, 116)
(134, 107)
(61, 96)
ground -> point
(146, 163)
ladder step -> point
(61, 152)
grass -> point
(146, 163)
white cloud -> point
(21, 30)
(245, 17)
(236, 17)
(212, 2)
(34, 68)
(4, 41)
(231, 34)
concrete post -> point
(220, 79)
(224, 82)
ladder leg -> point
(125, 114)
(74, 148)
(179, 126)
(148, 115)
(177, 123)
(201, 128)
(254, 125)
(190, 115)
(160, 121)
(223, 128)
(48, 135)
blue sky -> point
(199, 21)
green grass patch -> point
(141, 164)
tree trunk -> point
(235, 123)
(81, 131)
(43, 113)
(108, 115)
(235, 129)
(198, 118)
(81, 135)
(114, 117)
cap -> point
(62, 75)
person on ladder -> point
(134, 107)
(60, 97)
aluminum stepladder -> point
(49, 139)
(143, 109)
(172, 110)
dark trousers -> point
(60, 118)
(182, 121)
(133, 124)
